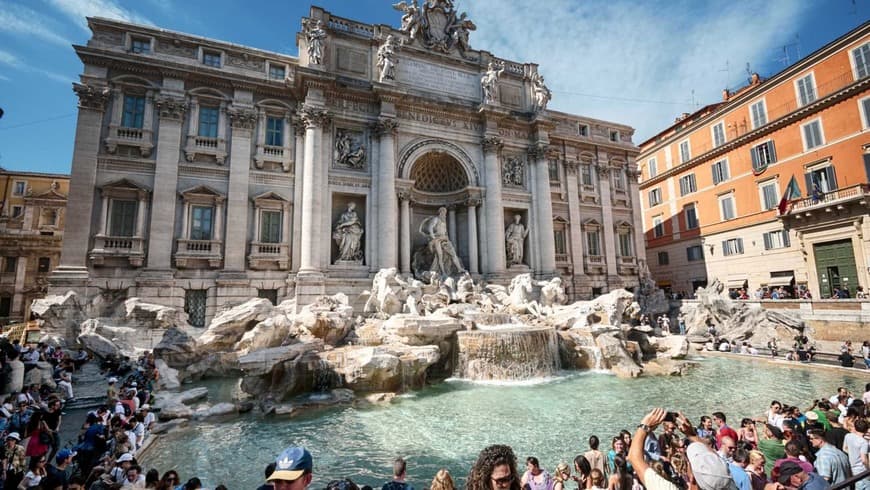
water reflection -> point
(447, 425)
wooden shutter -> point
(867, 164)
(832, 177)
(772, 150)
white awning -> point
(780, 281)
(735, 281)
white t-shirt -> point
(32, 479)
(654, 481)
(856, 447)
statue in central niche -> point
(445, 262)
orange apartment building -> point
(712, 183)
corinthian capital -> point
(91, 97)
(171, 107)
(242, 118)
(314, 117)
(492, 144)
(537, 152)
(386, 126)
(603, 169)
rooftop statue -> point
(436, 25)
(542, 93)
(315, 34)
(489, 82)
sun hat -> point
(711, 472)
(13, 435)
(291, 464)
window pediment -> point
(124, 188)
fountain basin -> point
(507, 353)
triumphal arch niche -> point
(286, 175)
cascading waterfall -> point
(517, 353)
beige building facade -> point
(31, 231)
(205, 173)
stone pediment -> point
(49, 195)
(126, 185)
(201, 190)
(270, 196)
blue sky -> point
(637, 62)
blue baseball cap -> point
(291, 464)
(64, 454)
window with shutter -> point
(812, 134)
(861, 56)
(806, 89)
(122, 218)
(865, 109)
(759, 114)
(719, 134)
(134, 111)
(208, 122)
(720, 171)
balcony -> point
(595, 264)
(836, 203)
(269, 256)
(195, 253)
(136, 137)
(626, 265)
(206, 145)
(275, 154)
(126, 248)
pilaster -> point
(387, 201)
(492, 205)
(544, 207)
(603, 170)
(242, 119)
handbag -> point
(45, 437)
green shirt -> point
(772, 449)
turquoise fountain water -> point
(447, 425)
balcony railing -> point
(131, 248)
(269, 255)
(191, 253)
(838, 196)
(206, 142)
(137, 137)
(274, 151)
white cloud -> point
(627, 52)
(77, 10)
(16, 19)
(5, 78)
(7, 58)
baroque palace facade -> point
(205, 173)
(769, 187)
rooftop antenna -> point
(748, 73)
(786, 57)
(727, 71)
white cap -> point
(112, 380)
(125, 457)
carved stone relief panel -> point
(246, 61)
(513, 171)
(352, 60)
(350, 150)
(176, 48)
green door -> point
(835, 266)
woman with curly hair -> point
(442, 481)
(495, 469)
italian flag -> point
(791, 192)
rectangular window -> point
(687, 184)
(720, 171)
(5, 306)
(140, 45)
(270, 226)
(822, 178)
(691, 217)
(658, 226)
(586, 174)
(685, 154)
(201, 220)
(625, 244)
(194, 306)
(10, 264)
(614, 135)
(776, 239)
(208, 121)
(592, 244)
(718, 134)
(806, 89)
(759, 114)
(20, 188)
(694, 253)
(861, 56)
(44, 264)
(583, 129)
(553, 169)
(655, 197)
(17, 211)
(560, 242)
(762, 156)
(270, 294)
(733, 246)
(652, 166)
(619, 179)
(123, 218)
(812, 132)
(134, 111)
(726, 207)
(276, 72)
(274, 131)
(663, 258)
(769, 195)
(865, 109)
(211, 58)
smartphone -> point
(671, 417)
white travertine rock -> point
(229, 326)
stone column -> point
(297, 192)
(18, 295)
(141, 207)
(104, 215)
(575, 228)
(314, 119)
(242, 119)
(405, 232)
(637, 213)
(472, 235)
(372, 207)
(451, 224)
(387, 205)
(544, 206)
(218, 220)
(77, 230)
(607, 216)
(117, 108)
(185, 220)
(161, 233)
(492, 206)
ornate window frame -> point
(206, 145)
(271, 255)
(140, 138)
(282, 155)
(131, 248)
(192, 253)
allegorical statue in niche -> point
(489, 82)
(514, 237)
(445, 262)
(315, 35)
(348, 235)
(542, 93)
(388, 59)
(349, 150)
